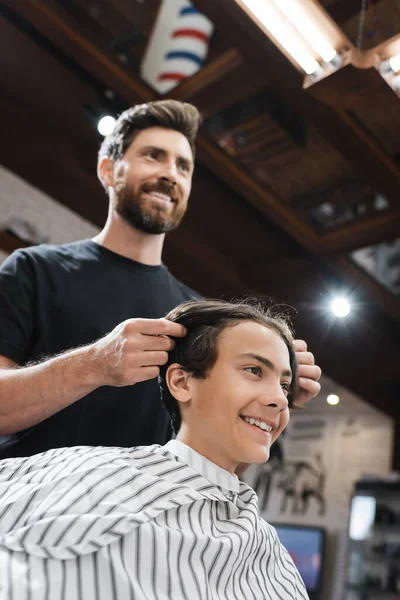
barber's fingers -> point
(116, 359)
(152, 358)
(156, 342)
(309, 371)
(308, 389)
(158, 327)
(305, 358)
(300, 346)
(144, 374)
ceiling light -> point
(106, 125)
(275, 22)
(340, 307)
(389, 65)
(332, 399)
(302, 30)
(395, 63)
(298, 16)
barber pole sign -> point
(177, 47)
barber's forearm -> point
(28, 395)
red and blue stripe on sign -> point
(188, 47)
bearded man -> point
(82, 338)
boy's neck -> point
(207, 453)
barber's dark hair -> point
(170, 114)
(196, 353)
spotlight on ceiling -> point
(340, 307)
(105, 125)
(332, 399)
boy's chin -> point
(256, 458)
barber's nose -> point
(169, 173)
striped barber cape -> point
(146, 523)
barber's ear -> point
(178, 383)
(105, 171)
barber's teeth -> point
(257, 423)
(161, 196)
(251, 421)
(263, 426)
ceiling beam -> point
(373, 230)
(340, 128)
(263, 199)
(344, 10)
(59, 28)
(207, 76)
(352, 89)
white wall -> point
(18, 198)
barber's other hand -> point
(134, 351)
(308, 373)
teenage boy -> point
(169, 521)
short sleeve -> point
(17, 306)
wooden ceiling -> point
(287, 182)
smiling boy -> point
(234, 405)
(169, 521)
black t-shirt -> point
(54, 298)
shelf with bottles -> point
(373, 567)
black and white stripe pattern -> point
(147, 523)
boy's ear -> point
(178, 383)
(105, 171)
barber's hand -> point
(134, 351)
(308, 373)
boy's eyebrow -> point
(265, 361)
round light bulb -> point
(332, 399)
(340, 307)
(106, 125)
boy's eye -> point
(286, 388)
(254, 370)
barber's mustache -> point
(162, 187)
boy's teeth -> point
(258, 423)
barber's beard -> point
(138, 212)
